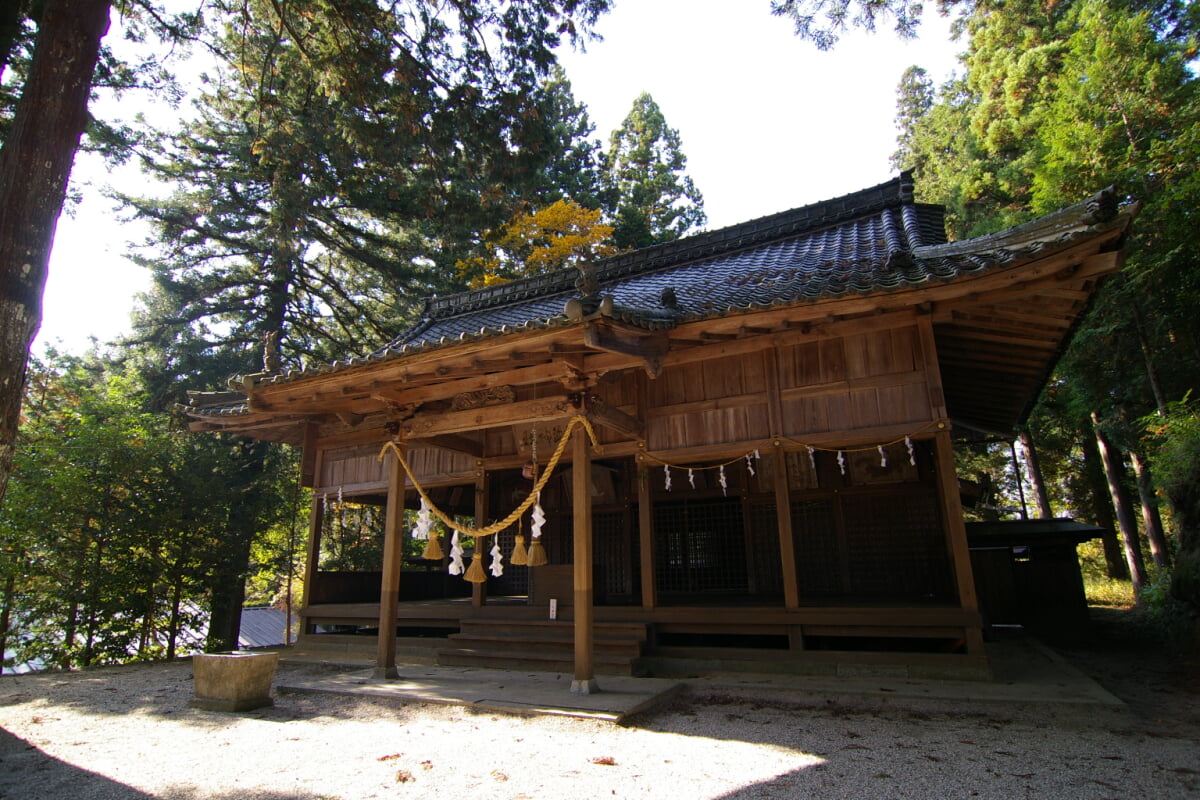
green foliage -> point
(1175, 439)
(650, 198)
(114, 519)
(822, 22)
(1058, 101)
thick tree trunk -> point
(1151, 519)
(1034, 467)
(1114, 470)
(227, 583)
(6, 604)
(1102, 510)
(35, 163)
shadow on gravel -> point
(156, 689)
(23, 765)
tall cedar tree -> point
(338, 164)
(1057, 102)
(650, 197)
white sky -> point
(768, 123)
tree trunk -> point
(1102, 510)
(1114, 470)
(1151, 519)
(6, 603)
(35, 163)
(227, 583)
(1034, 467)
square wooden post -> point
(393, 558)
(581, 490)
(646, 538)
(479, 590)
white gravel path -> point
(127, 732)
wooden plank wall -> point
(863, 381)
(713, 402)
(358, 468)
(828, 385)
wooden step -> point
(635, 631)
(533, 660)
(546, 645)
(553, 644)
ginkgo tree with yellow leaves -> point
(563, 234)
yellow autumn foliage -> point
(561, 235)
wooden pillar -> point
(393, 556)
(581, 490)
(783, 498)
(479, 590)
(312, 556)
(646, 538)
(787, 542)
(947, 479)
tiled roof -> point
(862, 243)
(873, 241)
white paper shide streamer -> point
(456, 556)
(497, 567)
(537, 519)
(424, 526)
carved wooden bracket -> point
(649, 346)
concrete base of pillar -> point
(588, 686)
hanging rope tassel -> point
(475, 573)
(519, 556)
(537, 554)
(433, 548)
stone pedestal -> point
(237, 681)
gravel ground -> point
(127, 732)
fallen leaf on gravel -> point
(404, 776)
(389, 757)
(607, 761)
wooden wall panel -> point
(862, 381)
(356, 468)
(436, 464)
(717, 426)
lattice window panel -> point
(515, 580)
(700, 547)
(818, 557)
(764, 547)
(896, 546)
(611, 551)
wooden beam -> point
(308, 456)
(450, 441)
(426, 425)
(602, 413)
(393, 557)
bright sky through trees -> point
(768, 123)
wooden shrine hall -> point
(771, 477)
